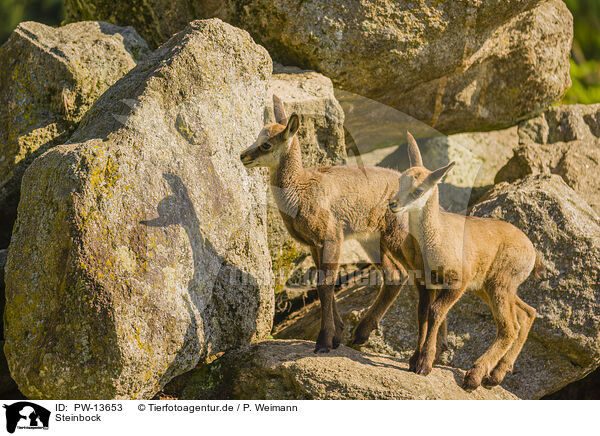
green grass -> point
(12, 12)
(586, 83)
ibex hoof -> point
(422, 368)
(469, 386)
(423, 371)
(424, 364)
(360, 339)
(496, 376)
(363, 332)
(337, 337)
(490, 382)
(412, 362)
(470, 383)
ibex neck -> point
(286, 178)
(424, 224)
(290, 167)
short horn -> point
(414, 155)
(279, 111)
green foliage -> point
(586, 22)
(585, 59)
(586, 83)
(12, 12)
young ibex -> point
(322, 206)
(457, 253)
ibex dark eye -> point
(417, 192)
(266, 146)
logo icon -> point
(26, 415)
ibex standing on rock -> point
(322, 206)
(458, 253)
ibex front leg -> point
(426, 296)
(329, 259)
(437, 316)
(337, 319)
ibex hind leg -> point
(525, 317)
(392, 285)
(502, 303)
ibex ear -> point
(292, 127)
(436, 176)
(280, 116)
(414, 155)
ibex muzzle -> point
(272, 143)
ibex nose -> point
(245, 158)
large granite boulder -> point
(311, 96)
(564, 343)
(49, 78)
(140, 246)
(566, 232)
(289, 370)
(321, 137)
(564, 140)
(155, 20)
(469, 66)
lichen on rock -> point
(140, 246)
(49, 78)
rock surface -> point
(289, 370)
(140, 246)
(311, 96)
(588, 388)
(321, 137)
(564, 140)
(564, 343)
(155, 20)
(470, 65)
(566, 232)
(48, 79)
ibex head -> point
(273, 140)
(417, 182)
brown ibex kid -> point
(457, 253)
(321, 207)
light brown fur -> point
(457, 253)
(321, 207)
